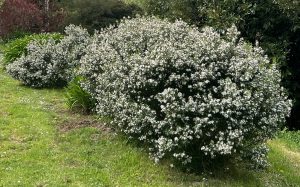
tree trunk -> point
(46, 9)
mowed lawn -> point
(43, 144)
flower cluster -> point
(48, 63)
(258, 156)
(185, 93)
(73, 45)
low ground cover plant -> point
(187, 94)
(77, 99)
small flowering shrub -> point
(16, 48)
(42, 67)
(187, 94)
(48, 63)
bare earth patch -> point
(82, 122)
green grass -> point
(42, 144)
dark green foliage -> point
(276, 24)
(16, 48)
(15, 35)
(97, 14)
(77, 99)
(292, 79)
(220, 14)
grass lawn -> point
(42, 144)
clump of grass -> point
(78, 99)
(292, 138)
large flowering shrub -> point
(185, 93)
(48, 63)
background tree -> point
(18, 17)
(96, 14)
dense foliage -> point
(273, 23)
(41, 67)
(48, 63)
(18, 47)
(97, 14)
(187, 94)
(19, 15)
(28, 16)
